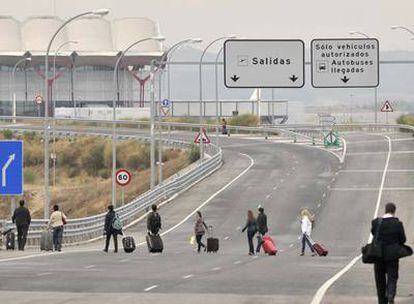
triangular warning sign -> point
(165, 111)
(387, 107)
(203, 135)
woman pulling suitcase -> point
(200, 228)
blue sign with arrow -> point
(11, 165)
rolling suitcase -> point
(129, 244)
(154, 243)
(320, 249)
(46, 241)
(269, 245)
(212, 242)
(10, 240)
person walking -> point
(391, 235)
(21, 217)
(306, 227)
(200, 228)
(251, 226)
(261, 227)
(112, 228)
(56, 222)
(154, 221)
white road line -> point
(268, 196)
(215, 268)
(237, 262)
(89, 267)
(44, 274)
(275, 187)
(226, 238)
(282, 180)
(324, 288)
(324, 195)
(291, 245)
(188, 276)
(319, 205)
(150, 288)
(124, 260)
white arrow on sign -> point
(3, 170)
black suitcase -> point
(10, 240)
(154, 243)
(212, 242)
(129, 244)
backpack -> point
(155, 221)
(116, 223)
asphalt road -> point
(281, 177)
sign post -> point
(387, 108)
(38, 101)
(123, 178)
(255, 63)
(345, 63)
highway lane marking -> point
(215, 268)
(44, 274)
(89, 266)
(282, 180)
(226, 238)
(317, 299)
(268, 196)
(275, 187)
(237, 262)
(188, 276)
(150, 288)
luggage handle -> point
(210, 230)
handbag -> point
(372, 252)
(397, 251)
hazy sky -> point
(208, 19)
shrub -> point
(194, 153)
(7, 134)
(407, 119)
(104, 173)
(73, 172)
(93, 160)
(29, 176)
(29, 136)
(247, 120)
(33, 154)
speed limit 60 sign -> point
(123, 177)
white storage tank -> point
(92, 33)
(37, 32)
(126, 31)
(10, 40)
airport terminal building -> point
(84, 54)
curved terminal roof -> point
(99, 41)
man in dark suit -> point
(391, 234)
(21, 217)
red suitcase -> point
(320, 249)
(269, 245)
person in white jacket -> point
(306, 226)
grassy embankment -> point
(83, 172)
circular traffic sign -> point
(39, 99)
(166, 103)
(123, 177)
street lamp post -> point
(376, 88)
(164, 60)
(14, 85)
(114, 112)
(53, 155)
(169, 58)
(201, 89)
(98, 12)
